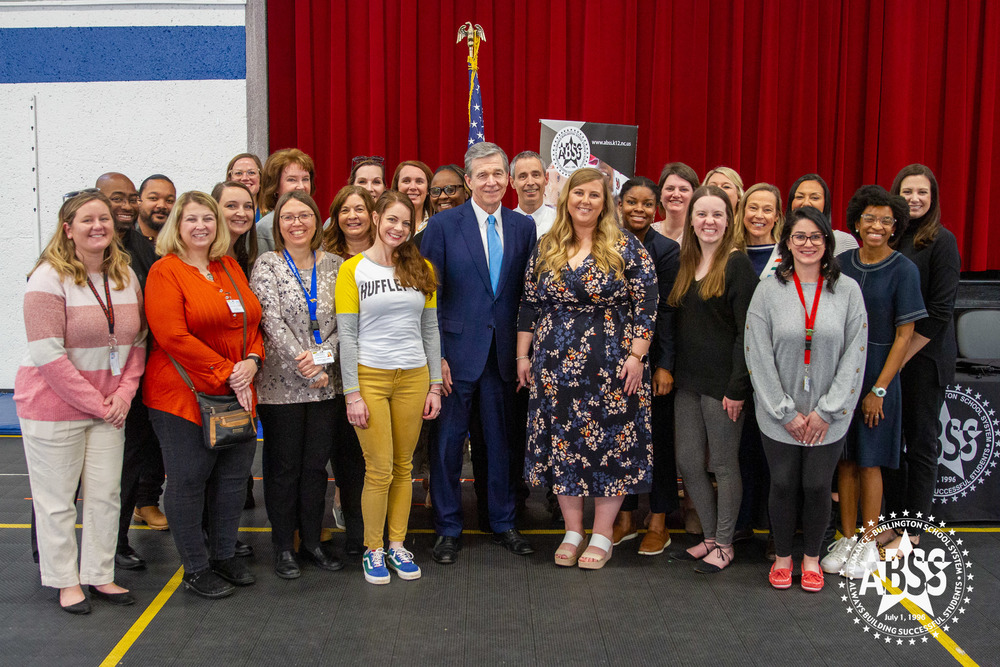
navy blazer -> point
(469, 314)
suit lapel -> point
(469, 228)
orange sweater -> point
(189, 318)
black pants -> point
(297, 439)
(142, 455)
(754, 472)
(911, 486)
(795, 470)
(195, 472)
(348, 463)
(663, 494)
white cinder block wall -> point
(96, 86)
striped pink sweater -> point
(66, 374)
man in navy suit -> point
(479, 250)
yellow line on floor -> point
(119, 651)
(933, 628)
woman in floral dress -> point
(585, 326)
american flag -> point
(477, 126)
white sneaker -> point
(834, 561)
(862, 562)
(338, 517)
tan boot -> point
(151, 516)
(624, 529)
(657, 537)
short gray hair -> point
(524, 155)
(484, 149)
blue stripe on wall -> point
(135, 53)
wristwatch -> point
(641, 357)
(879, 391)
(254, 358)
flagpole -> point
(473, 35)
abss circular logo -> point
(918, 590)
(968, 444)
(570, 150)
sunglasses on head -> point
(85, 191)
(361, 159)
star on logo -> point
(902, 569)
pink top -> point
(66, 374)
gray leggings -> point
(706, 439)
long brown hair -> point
(714, 282)
(333, 238)
(560, 243)
(930, 225)
(412, 270)
(60, 251)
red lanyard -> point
(109, 309)
(810, 317)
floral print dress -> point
(586, 437)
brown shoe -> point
(657, 537)
(151, 516)
(624, 529)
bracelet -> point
(519, 358)
(437, 393)
(254, 358)
(357, 401)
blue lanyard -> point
(310, 294)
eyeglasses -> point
(799, 240)
(85, 191)
(359, 159)
(304, 218)
(448, 190)
(249, 173)
(887, 221)
(121, 199)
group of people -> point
(423, 305)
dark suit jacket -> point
(469, 313)
(666, 256)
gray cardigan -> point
(775, 350)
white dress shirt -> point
(481, 218)
(543, 216)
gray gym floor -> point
(491, 607)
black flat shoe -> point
(207, 584)
(243, 550)
(446, 549)
(79, 609)
(120, 599)
(233, 570)
(286, 567)
(316, 556)
(514, 542)
(354, 547)
(127, 559)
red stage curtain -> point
(774, 88)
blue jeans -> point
(198, 477)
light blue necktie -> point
(495, 250)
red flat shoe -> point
(812, 581)
(780, 578)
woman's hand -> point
(245, 396)
(732, 407)
(432, 404)
(663, 382)
(117, 410)
(321, 381)
(815, 429)
(242, 374)
(797, 427)
(306, 365)
(357, 411)
(871, 408)
(632, 374)
(523, 373)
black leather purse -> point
(224, 422)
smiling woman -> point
(237, 207)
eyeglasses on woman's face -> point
(799, 240)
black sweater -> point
(665, 254)
(708, 336)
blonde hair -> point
(714, 282)
(169, 239)
(556, 247)
(740, 232)
(60, 251)
(733, 177)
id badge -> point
(116, 365)
(322, 357)
(235, 307)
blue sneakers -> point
(374, 564)
(401, 561)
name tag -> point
(116, 364)
(235, 307)
(322, 357)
